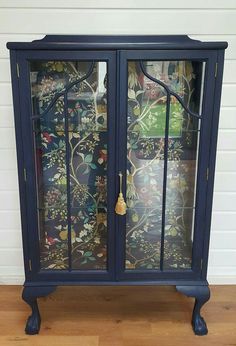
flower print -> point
(80, 193)
(46, 137)
(97, 240)
(83, 233)
(88, 226)
(102, 219)
(52, 196)
(73, 111)
(96, 136)
(64, 235)
(102, 156)
(85, 120)
(51, 241)
(129, 265)
(100, 181)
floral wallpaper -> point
(73, 195)
(145, 165)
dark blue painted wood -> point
(213, 130)
(20, 162)
(166, 145)
(201, 295)
(28, 162)
(190, 282)
(70, 42)
(203, 158)
(30, 295)
(68, 182)
(28, 149)
(165, 282)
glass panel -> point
(50, 159)
(172, 202)
(145, 153)
(71, 162)
(143, 238)
(178, 243)
(88, 169)
(180, 193)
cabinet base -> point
(200, 293)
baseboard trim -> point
(12, 280)
(222, 280)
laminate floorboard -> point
(118, 316)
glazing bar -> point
(68, 180)
(166, 145)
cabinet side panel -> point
(212, 158)
(20, 156)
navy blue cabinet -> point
(116, 143)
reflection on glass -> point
(180, 195)
(78, 145)
(146, 117)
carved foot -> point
(199, 325)
(33, 324)
(202, 295)
(30, 295)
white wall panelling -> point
(27, 20)
(124, 4)
(118, 20)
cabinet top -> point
(73, 42)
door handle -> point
(120, 207)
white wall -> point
(26, 20)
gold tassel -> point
(120, 207)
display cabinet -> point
(116, 142)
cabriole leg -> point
(201, 295)
(30, 295)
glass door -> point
(165, 121)
(72, 122)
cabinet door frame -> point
(26, 156)
(201, 230)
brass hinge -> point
(207, 173)
(25, 175)
(216, 69)
(30, 265)
(18, 70)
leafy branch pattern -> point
(145, 163)
(87, 142)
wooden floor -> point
(118, 316)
